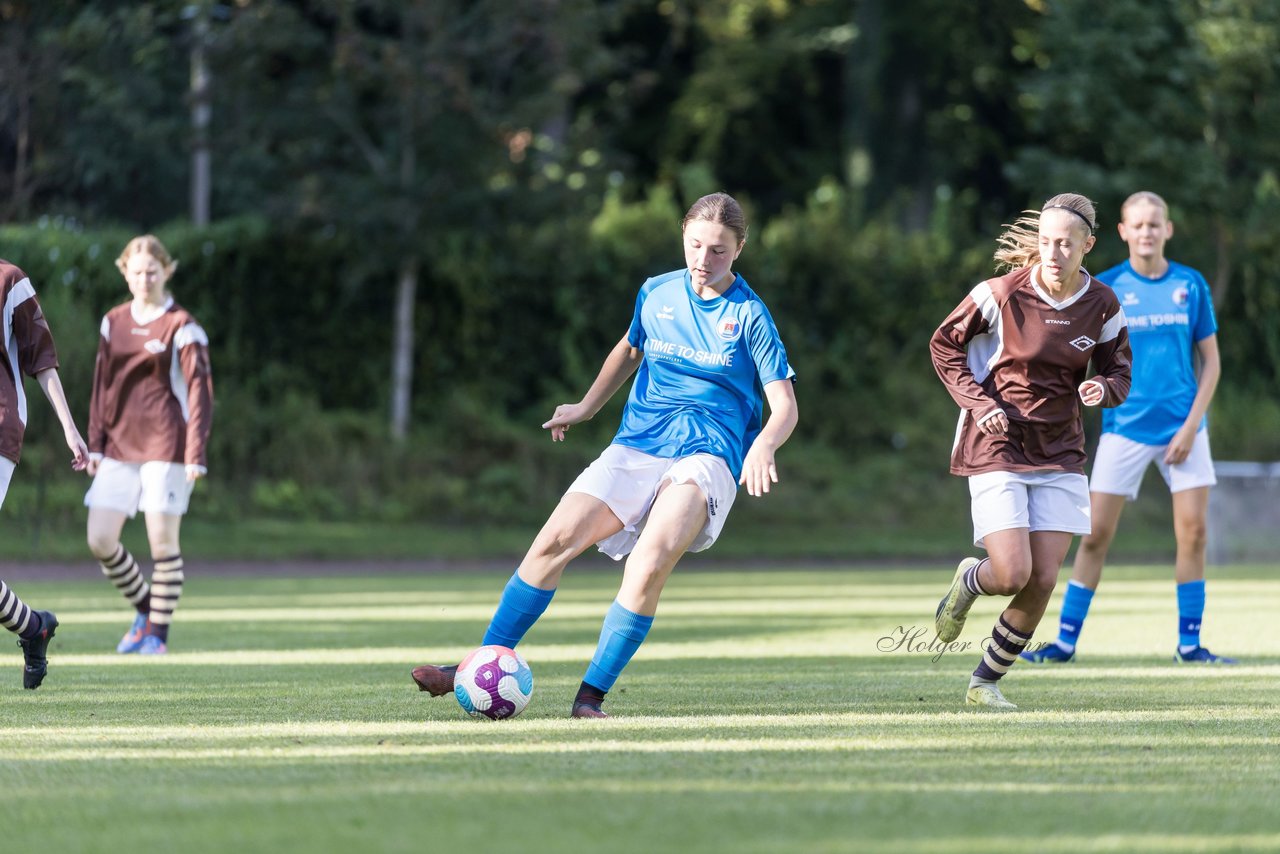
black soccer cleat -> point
(36, 662)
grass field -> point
(769, 711)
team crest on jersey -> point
(1130, 298)
(730, 329)
(1180, 296)
(1084, 342)
(155, 345)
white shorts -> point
(160, 487)
(6, 475)
(628, 480)
(1038, 501)
(1119, 464)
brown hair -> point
(1019, 245)
(719, 208)
(1145, 196)
(151, 245)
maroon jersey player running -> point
(26, 347)
(148, 429)
(1014, 355)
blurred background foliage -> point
(496, 179)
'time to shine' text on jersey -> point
(152, 388)
(1011, 347)
(1167, 316)
(26, 347)
(699, 387)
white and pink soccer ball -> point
(493, 682)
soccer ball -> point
(493, 682)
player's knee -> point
(1042, 583)
(1007, 580)
(102, 544)
(556, 545)
(1191, 536)
(1098, 541)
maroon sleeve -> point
(948, 348)
(194, 360)
(32, 339)
(1113, 361)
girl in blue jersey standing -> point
(706, 354)
(1163, 421)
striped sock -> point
(519, 608)
(1075, 607)
(1006, 644)
(1190, 613)
(123, 571)
(970, 578)
(620, 637)
(166, 589)
(16, 615)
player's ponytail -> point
(1019, 245)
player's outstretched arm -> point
(759, 469)
(619, 365)
(52, 387)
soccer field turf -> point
(768, 711)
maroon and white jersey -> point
(152, 388)
(1011, 347)
(26, 348)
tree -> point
(412, 111)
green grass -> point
(767, 712)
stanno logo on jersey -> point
(1180, 296)
(155, 345)
(666, 313)
(1057, 322)
(1084, 342)
(730, 329)
(1130, 298)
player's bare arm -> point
(759, 469)
(1206, 384)
(618, 367)
(52, 387)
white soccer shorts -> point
(160, 487)
(6, 475)
(1119, 464)
(627, 481)
(1038, 501)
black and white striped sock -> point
(166, 589)
(124, 573)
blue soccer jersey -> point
(699, 389)
(1167, 316)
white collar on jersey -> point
(149, 313)
(1053, 303)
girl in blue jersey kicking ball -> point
(1171, 321)
(706, 354)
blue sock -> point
(1075, 607)
(621, 636)
(1190, 612)
(520, 607)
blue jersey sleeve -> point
(767, 351)
(1203, 321)
(636, 335)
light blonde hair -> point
(1145, 196)
(1019, 245)
(720, 208)
(151, 245)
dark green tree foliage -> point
(1180, 98)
